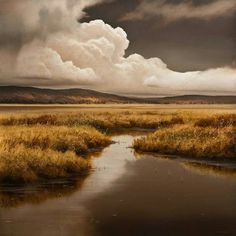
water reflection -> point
(204, 167)
(217, 170)
(110, 166)
(16, 196)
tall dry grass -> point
(191, 141)
(105, 121)
(203, 135)
(45, 146)
(80, 140)
(217, 121)
(32, 153)
(21, 164)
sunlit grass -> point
(21, 164)
(32, 153)
(80, 140)
(105, 121)
(48, 146)
(211, 137)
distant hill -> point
(30, 95)
(197, 99)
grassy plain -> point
(43, 142)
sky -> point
(132, 47)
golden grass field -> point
(52, 143)
(191, 141)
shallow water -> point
(43, 108)
(127, 194)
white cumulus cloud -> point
(92, 55)
(45, 67)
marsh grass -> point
(22, 165)
(33, 153)
(104, 121)
(191, 141)
(80, 140)
(50, 146)
(217, 121)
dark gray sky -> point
(194, 43)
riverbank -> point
(55, 145)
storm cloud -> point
(183, 10)
(56, 50)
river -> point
(126, 194)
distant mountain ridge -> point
(32, 95)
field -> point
(41, 143)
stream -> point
(126, 194)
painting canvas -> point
(117, 117)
